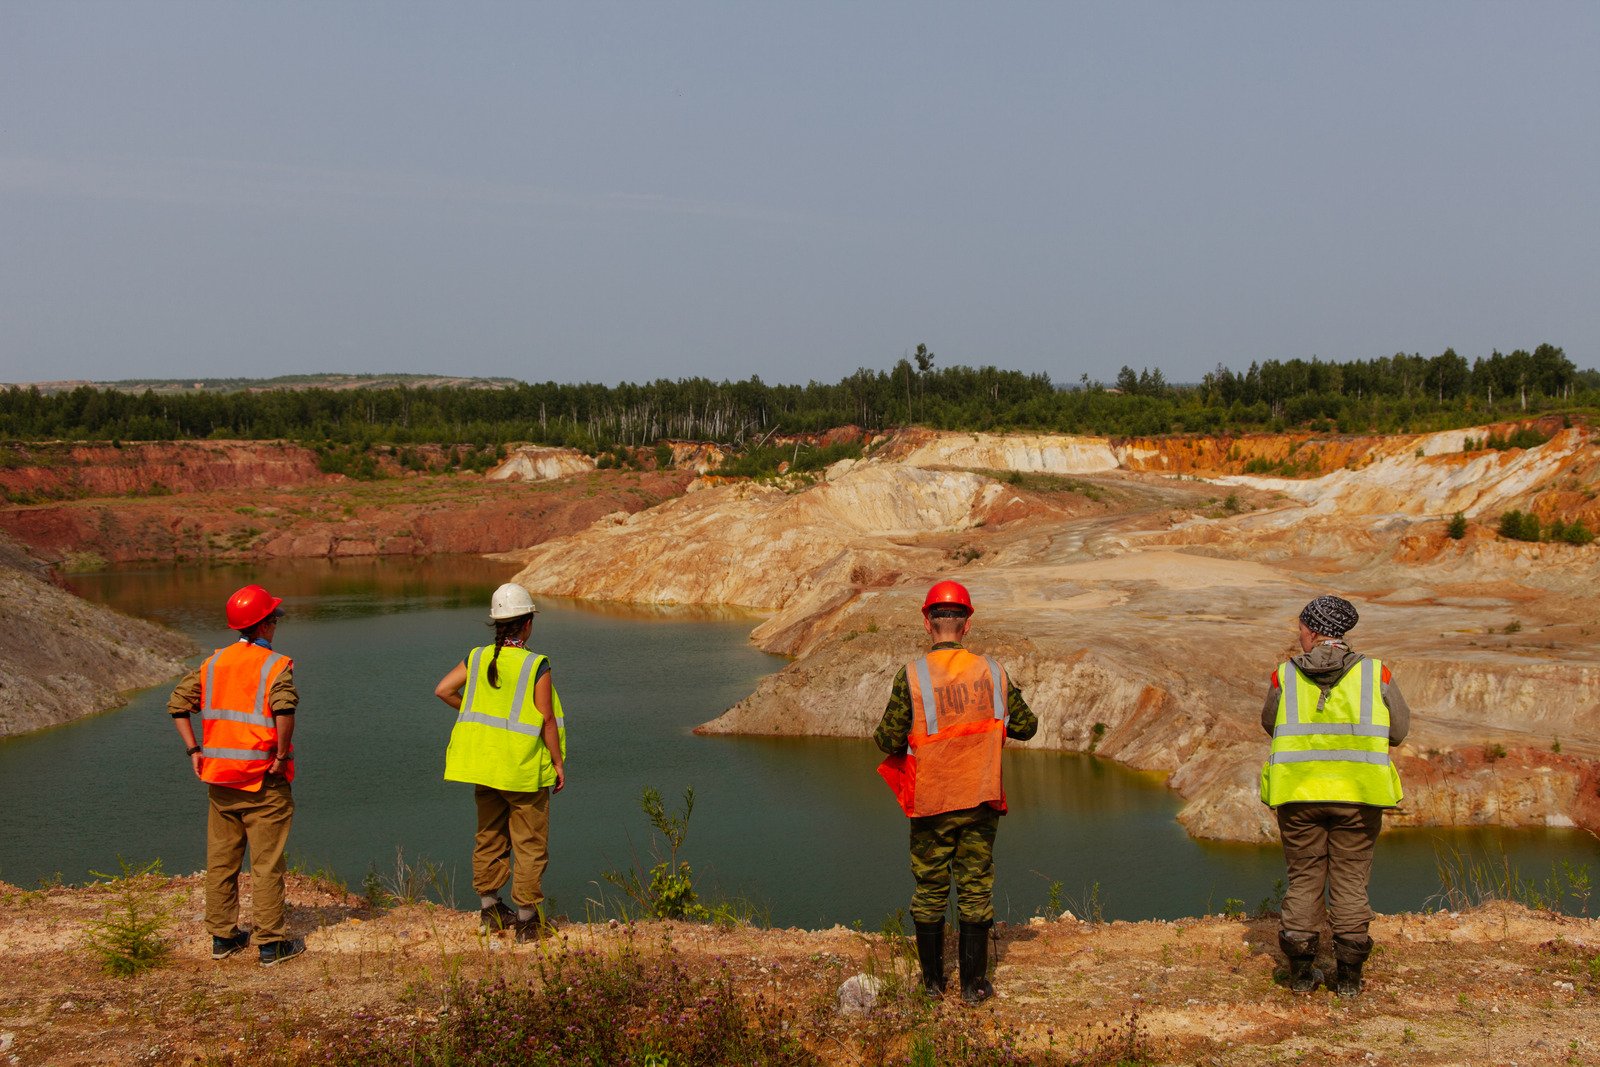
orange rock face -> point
(234, 500)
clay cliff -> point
(89, 505)
(62, 658)
(56, 470)
(1142, 612)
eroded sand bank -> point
(1147, 603)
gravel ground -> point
(1495, 985)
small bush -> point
(129, 937)
(1273, 905)
(1527, 437)
(670, 893)
(1458, 526)
(1520, 526)
(663, 456)
(352, 461)
(763, 461)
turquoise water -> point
(801, 829)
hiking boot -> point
(930, 953)
(973, 947)
(275, 952)
(1349, 953)
(1301, 949)
(530, 930)
(497, 917)
(223, 947)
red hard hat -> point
(249, 606)
(947, 592)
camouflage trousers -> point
(958, 841)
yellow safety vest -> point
(1334, 754)
(497, 738)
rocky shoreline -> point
(62, 658)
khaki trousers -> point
(1328, 848)
(512, 823)
(261, 820)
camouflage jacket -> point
(895, 726)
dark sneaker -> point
(534, 929)
(223, 947)
(275, 952)
(497, 917)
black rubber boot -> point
(1302, 952)
(974, 947)
(930, 953)
(1349, 953)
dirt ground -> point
(1496, 985)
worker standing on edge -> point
(246, 699)
(946, 722)
(510, 743)
(1333, 715)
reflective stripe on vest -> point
(239, 735)
(512, 722)
(957, 731)
(930, 700)
(498, 738)
(1337, 752)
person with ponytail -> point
(510, 744)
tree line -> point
(1398, 393)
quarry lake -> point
(801, 829)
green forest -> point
(1399, 393)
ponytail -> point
(504, 629)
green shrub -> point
(1527, 437)
(129, 936)
(1520, 526)
(670, 892)
(352, 461)
(763, 461)
(1458, 526)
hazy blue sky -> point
(605, 192)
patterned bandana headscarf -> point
(1329, 616)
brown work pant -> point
(512, 822)
(1328, 848)
(261, 820)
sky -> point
(623, 192)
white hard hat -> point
(511, 601)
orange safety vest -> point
(238, 735)
(958, 727)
